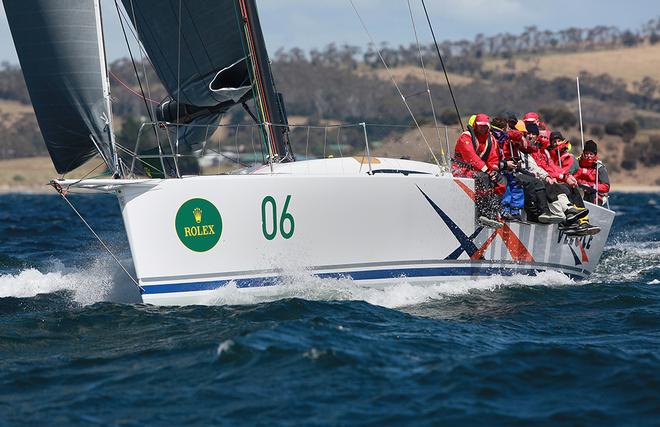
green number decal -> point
(286, 220)
(264, 226)
(286, 216)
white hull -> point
(346, 223)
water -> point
(76, 350)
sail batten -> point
(60, 48)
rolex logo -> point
(197, 213)
(201, 231)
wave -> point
(396, 294)
(101, 281)
(628, 262)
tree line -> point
(336, 83)
(467, 56)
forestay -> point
(60, 48)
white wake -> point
(399, 293)
(101, 281)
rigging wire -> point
(178, 91)
(62, 193)
(130, 52)
(426, 79)
(142, 59)
(133, 21)
(88, 173)
(259, 94)
(131, 90)
(137, 157)
(398, 89)
(442, 62)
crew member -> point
(476, 156)
(513, 200)
(560, 155)
(518, 160)
(592, 174)
(561, 187)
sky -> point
(316, 23)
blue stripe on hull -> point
(355, 275)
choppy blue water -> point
(74, 350)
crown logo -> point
(197, 213)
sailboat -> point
(374, 220)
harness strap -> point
(475, 144)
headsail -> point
(60, 48)
(200, 52)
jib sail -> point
(60, 48)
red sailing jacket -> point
(513, 137)
(542, 158)
(473, 154)
(587, 176)
(563, 162)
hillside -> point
(32, 174)
(629, 64)
(340, 85)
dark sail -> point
(60, 48)
(200, 53)
(264, 85)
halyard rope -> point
(442, 62)
(405, 102)
(426, 79)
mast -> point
(269, 103)
(105, 82)
(580, 110)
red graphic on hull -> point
(585, 258)
(514, 245)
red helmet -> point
(482, 120)
(531, 117)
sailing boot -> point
(551, 212)
(573, 214)
(583, 228)
(490, 223)
(551, 218)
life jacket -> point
(593, 172)
(563, 159)
(475, 143)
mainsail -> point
(60, 48)
(210, 57)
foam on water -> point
(627, 262)
(103, 280)
(100, 281)
(398, 293)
